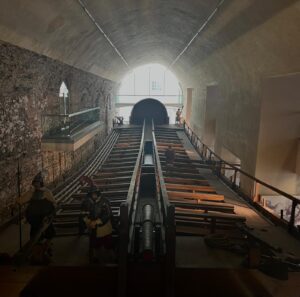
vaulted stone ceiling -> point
(142, 30)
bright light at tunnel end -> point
(149, 81)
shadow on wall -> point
(149, 109)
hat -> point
(38, 178)
(92, 190)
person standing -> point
(178, 117)
(99, 221)
(170, 157)
(41, 204)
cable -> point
(198, 32)
(101, 30)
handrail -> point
(195, 140)
(126, 210)
(169, 223)
(132, 187)
(165, 199)
(70, 115)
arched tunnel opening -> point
(149, 109)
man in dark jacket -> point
(41, 204)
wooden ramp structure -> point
(199, 209)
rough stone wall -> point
(29, 85)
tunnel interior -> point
(149, 109)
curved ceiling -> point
(144, 31)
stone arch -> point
(149, 109)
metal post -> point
(171, 251)
(123, 250)
(19, 208)
(234, 179)
(220, 168)
(292, 219)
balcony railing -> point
(66, 125)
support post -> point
(170, 251)
(234, 179)
(19, 206)
(292, 219)
(123, 250)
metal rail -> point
(126, 215)
(218, 163)
(168, 215)
(70, 115)
(72, 185)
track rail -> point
(65, 194)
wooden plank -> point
(116, 162)
(190, 187)
(202, 230)
(210, 214)
(204, 205)
(110, 180)
(116, 169)
(107, 186)
(187, 181)
(163, 142)
(107, 174)
(196, 196)
(179, 174)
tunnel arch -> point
(149, 108)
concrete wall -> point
(29, 85)
(279, 131)
(246, 42)
(213, 109)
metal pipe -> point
(198, 32)
(147, 228)
(101, 30)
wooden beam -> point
(193, 188)
(198, 196)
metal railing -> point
(65, 125)
(248, 186)
(126, 215)
(168, 216)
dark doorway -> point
(149, 109)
